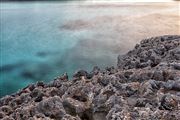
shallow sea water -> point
(34, 48)
(42, 40)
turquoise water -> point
(34, 47)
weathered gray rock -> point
(144, 86)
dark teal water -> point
(33, 47)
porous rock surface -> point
(145, 85)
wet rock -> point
(144, 86)
(31, 87)
(81, 73)
(40, 83)
(111, 70)
(64, 77)
(95, 70)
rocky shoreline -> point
(145, 85)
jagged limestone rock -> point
(145, 85)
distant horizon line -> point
(94, 1)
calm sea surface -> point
(42, 40)
(34, 47)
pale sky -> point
(130, 0)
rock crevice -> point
(144, 85)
